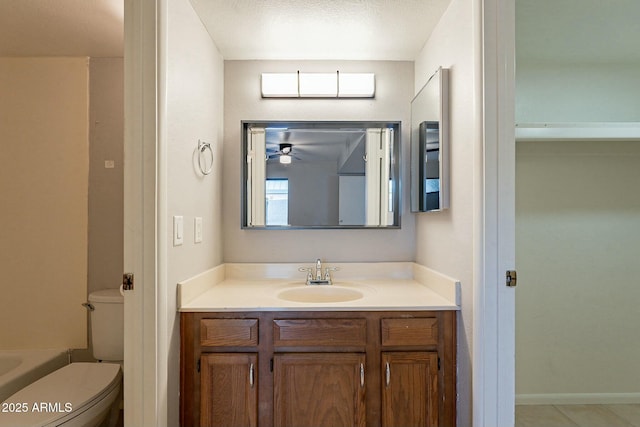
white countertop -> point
(255, 287)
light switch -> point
(178, 230)
(197, 229)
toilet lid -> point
(56, 395)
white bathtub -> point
(19, 368)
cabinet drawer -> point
(228, 332)
(421, 331)
(319, 332)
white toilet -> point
(80, 394)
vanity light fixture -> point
(356, 85)
(318, 85)
(279, 85)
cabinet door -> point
(409, 389)
(228, 389)
(319, 389)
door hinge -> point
(198, 366)
(127, 282)
(512, 278)
(271, 364)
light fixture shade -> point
(285, 159)
(356, 85)
(279, 85)
(318, 85)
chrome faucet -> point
(318, 269)
(318, 278)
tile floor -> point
(578, 415)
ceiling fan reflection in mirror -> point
(308, 144)
(284, 154)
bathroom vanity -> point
(377, 360)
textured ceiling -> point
(320, 29)
(62, 28)
(547, 30)
(578, 31)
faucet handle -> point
(327, 270)
(309, 271)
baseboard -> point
(577, 398)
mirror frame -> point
(438, 83)
(395, 169)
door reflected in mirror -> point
(430, 145)
(320, 175)
(429, 169)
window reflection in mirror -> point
(320, 175)
(277, 200)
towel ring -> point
(202, 147)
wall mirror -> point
(320, 175)
(430, 145)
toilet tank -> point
(107, 324)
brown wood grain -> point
(229, 332)
(420, 331)
(410, 396)
(363, 335)
(318, 390)
(319, 332)
(229, 390)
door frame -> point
(494, 302)
(140, 213)
(494, 220)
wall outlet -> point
(197, 229)
(178, 230)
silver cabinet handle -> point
(361, 375)
(251, 375)
(388, 373)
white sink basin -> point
(320, 293)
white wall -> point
(44, 163)
(444, 240)
(106, 198)
(394, 91)
(577, 238)
(577, 92)
(191, 109)
(317, 181)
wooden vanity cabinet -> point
(410, 378)
(229, 395)
(409, 389)
(319, 372)
(318, 389)
(317, 369)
